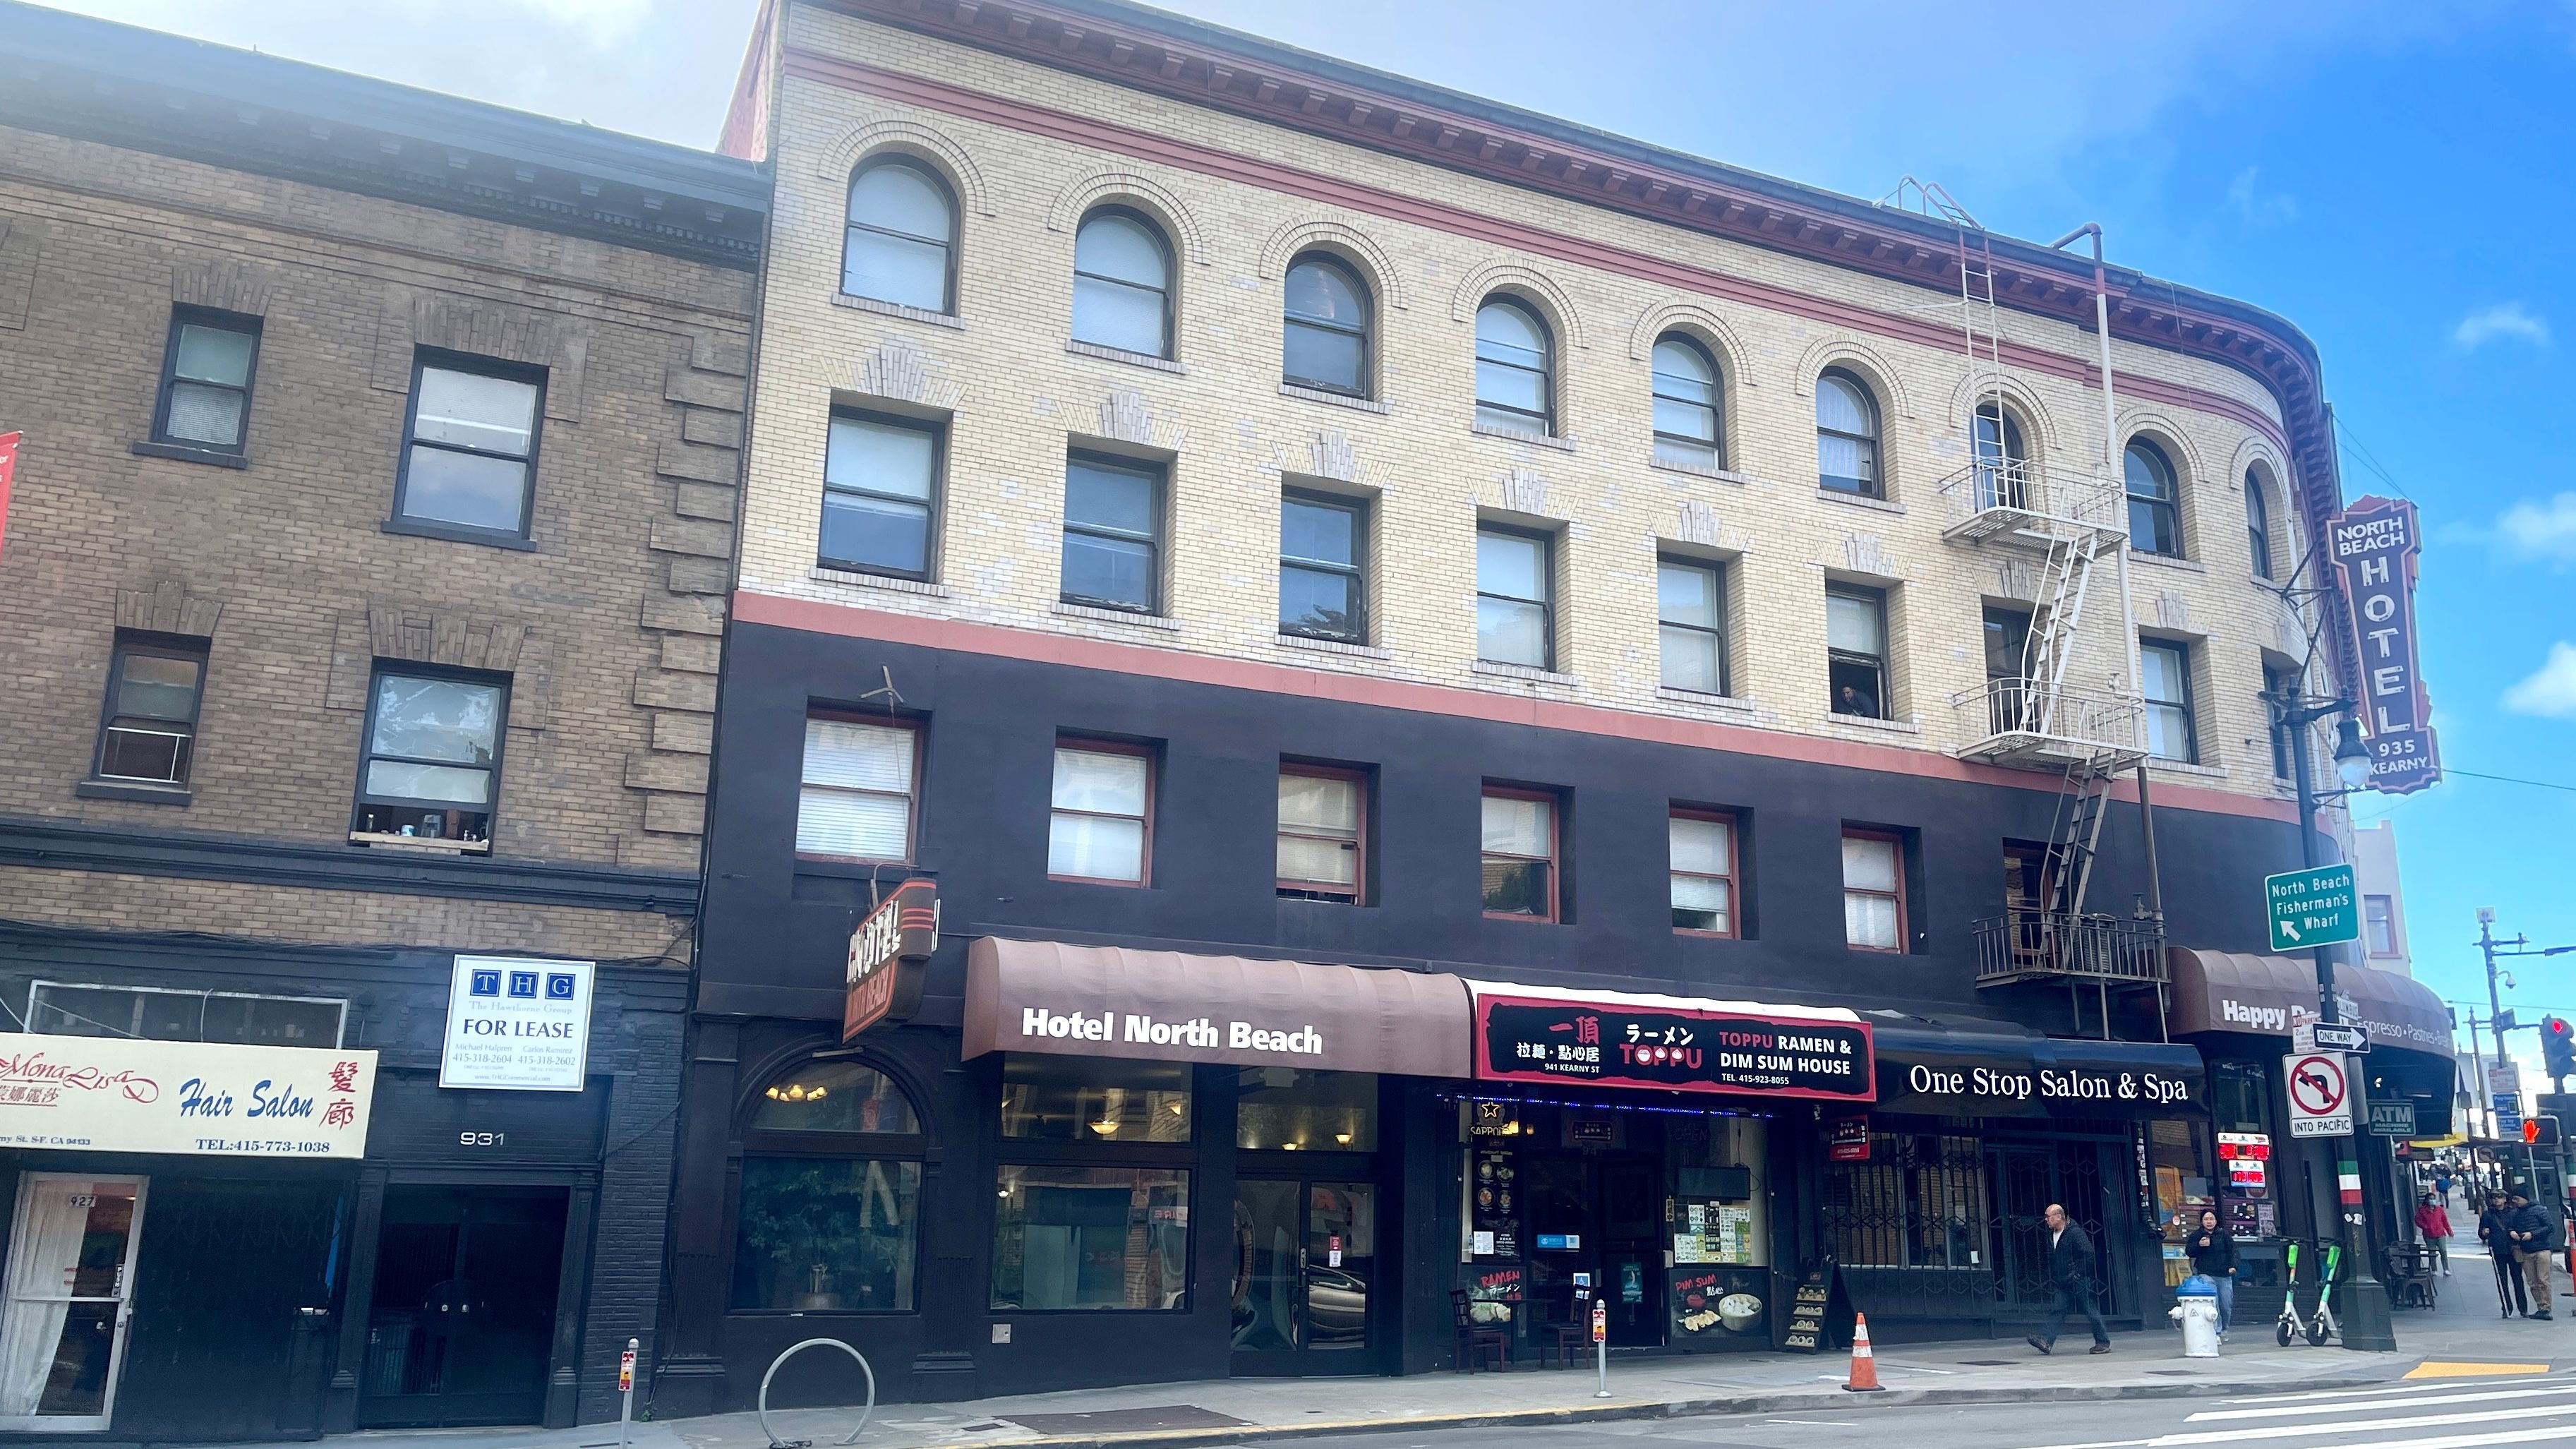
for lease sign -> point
(517, 1024)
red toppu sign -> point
(1619, 1044)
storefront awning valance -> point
(1110, 1001)
(1677, 1043)
(1937, 1071)
(2267, 995)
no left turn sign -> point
(2320, 1096)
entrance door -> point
(2028, 1177)
(1305, 1261)
(71, 1277)
(464, 1312)
(1595, 1223)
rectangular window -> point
(206, 372)
(858, 791)
(471, 446)
(1515, 621)
(1323, 586)
(1873, 891)
(432, 765)
(1690, 612)
(1322, 815)
(147, 734)
(2165, 680)
(827, 1234)
(160, 1014)
(1095, 1100)
(1113, 534)
(1091, 1238)
(1856, 650)
(2379, 919)
(2280, 687)
(1703, 867)
(1101, 824)
(1520, 854)
(880, 484)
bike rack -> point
(790, 1352)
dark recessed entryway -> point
(464, 1308)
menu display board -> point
(1818, 1311)
(1494, 1198)
(1720, 1306)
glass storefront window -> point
(2236, 1096)
(2179, 1166)
(1294, 1110)
(833, 1097)
(1082, 1099)
(827, 1234)
(1091, 1238)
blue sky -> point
(2390, 176)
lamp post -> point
(2491, 948)
(2367, 1323)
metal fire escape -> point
(2047, 529)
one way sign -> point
(2315, 907)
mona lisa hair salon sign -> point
(517, 1024)
(210, 1099)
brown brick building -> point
(361, 598)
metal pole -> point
(1601, 1346)
(626, 1392)
(2478, 1094)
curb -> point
(1695, 1408)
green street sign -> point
(2312, 907)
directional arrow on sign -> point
(2290, 929)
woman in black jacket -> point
(2213, 1256)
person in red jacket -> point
(2434, 1222)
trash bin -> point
(2196, 1308)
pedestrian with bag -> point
(2213, 1256)
(2508, 1274)
(2534, 1232)
(2434, 1222)
(2070, 1271)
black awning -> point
(1937, 1071)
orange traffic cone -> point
(1864, 1369)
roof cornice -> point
(1207, 65)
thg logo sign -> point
(522, 984)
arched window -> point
(2154, 524)
(1326, 341)
(1687, 428)
(2258, 523)
(1515, 368)
(901, 242)
(1122, 284)
(1847, 435)
(2003, 469)
(831, 1194)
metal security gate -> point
(1950, 1226)
(232, 1307)
(2028, 1176)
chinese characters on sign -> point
(98, 1094)
(1522, 1039)
(2376, 544)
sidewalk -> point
(2463, 1337)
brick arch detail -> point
(840, 160)
(2021, 399)
(1530, 284)
(1701, 323)
(1334, 234)
(2164, 432)
(1150, 197)
(1860, 357)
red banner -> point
(8, 469)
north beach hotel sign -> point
(2376, 543)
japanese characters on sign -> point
(107, 1094)
(2376, 543)
(886, 952)
(1533, 1040)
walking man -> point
(2534, 1232)
(2508, 1274)
(2434, 1222)
(2070, 1269)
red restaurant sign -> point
(886, 953)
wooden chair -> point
(1569, 1341)
(1475, 1340)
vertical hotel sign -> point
(886, 952)
(2376, 542)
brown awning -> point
(1109, 1001)
(2267, 995)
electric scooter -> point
(2323, 1326)
(2287, 1326)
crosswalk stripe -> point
(2425, 1421)
(2362, 1406)
(2469, 1441)
(2348, 1393)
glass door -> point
(1305, 1262)
(71, 1276)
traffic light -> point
(2558, 1047)
(2540, 1131)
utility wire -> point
(2370, 460)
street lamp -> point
(2351, 756)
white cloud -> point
(2505, 319)
(2255, 205)
(2540, 531)
(2551, 690)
